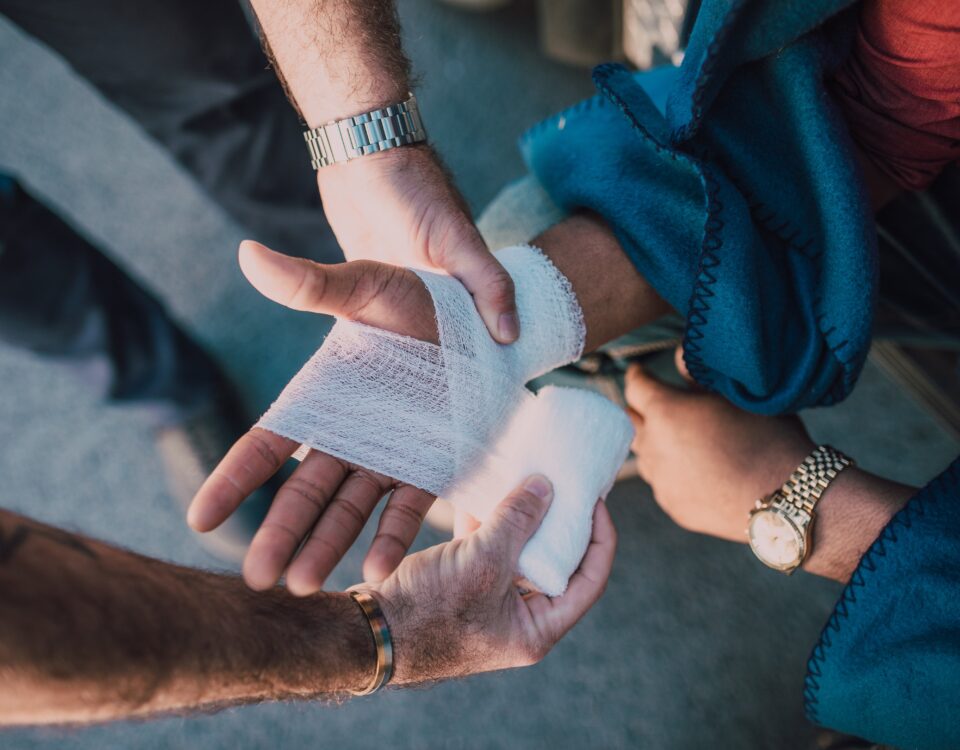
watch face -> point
(775, 539)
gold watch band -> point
(779, 530)
(807, 484)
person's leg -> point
(193, 76)
(61, 297)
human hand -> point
(706, 460)
(326, 501)
(455, 609)
(400, 207)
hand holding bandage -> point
(455, 419)
(320, 510)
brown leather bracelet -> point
(381, 637)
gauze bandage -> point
(457, 420)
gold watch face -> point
(775, 539)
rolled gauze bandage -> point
(457, 420)
(576, 438)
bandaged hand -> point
(454, 419)
(457, 420)
(321, 509)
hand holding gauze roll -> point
(457, 419)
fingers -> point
(636, 444)
(252, 460)
(489, 283)
(681, 365)
(463, 524)
(590, 580)
(588, 583)
(643, 393)
(376, 294)
(294, 512)
(516, 518)
(399, 524)
(338, 528)
(642, 389)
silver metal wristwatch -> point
(352, 137)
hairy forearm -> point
(336, 58)
(850, 516)
(89, 632)
(614, 297)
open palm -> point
(320, 510)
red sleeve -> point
(900, 87)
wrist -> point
(849, 517)
(353, 174)
(768, 474)
(398, 614)
(425, 647)
(342, 101)
(758, 478)
(586, 251)
(328, 648)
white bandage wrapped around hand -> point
(457, 420)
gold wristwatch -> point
(781, 523)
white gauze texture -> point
(457, 420)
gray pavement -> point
(693, 646)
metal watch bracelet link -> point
(813, 476)
(780, 526)
(379, 130)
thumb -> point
(376, 294)
(463, 524)
(474, 266)
(517, 517)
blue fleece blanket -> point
(732, 184)
(887, 665)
